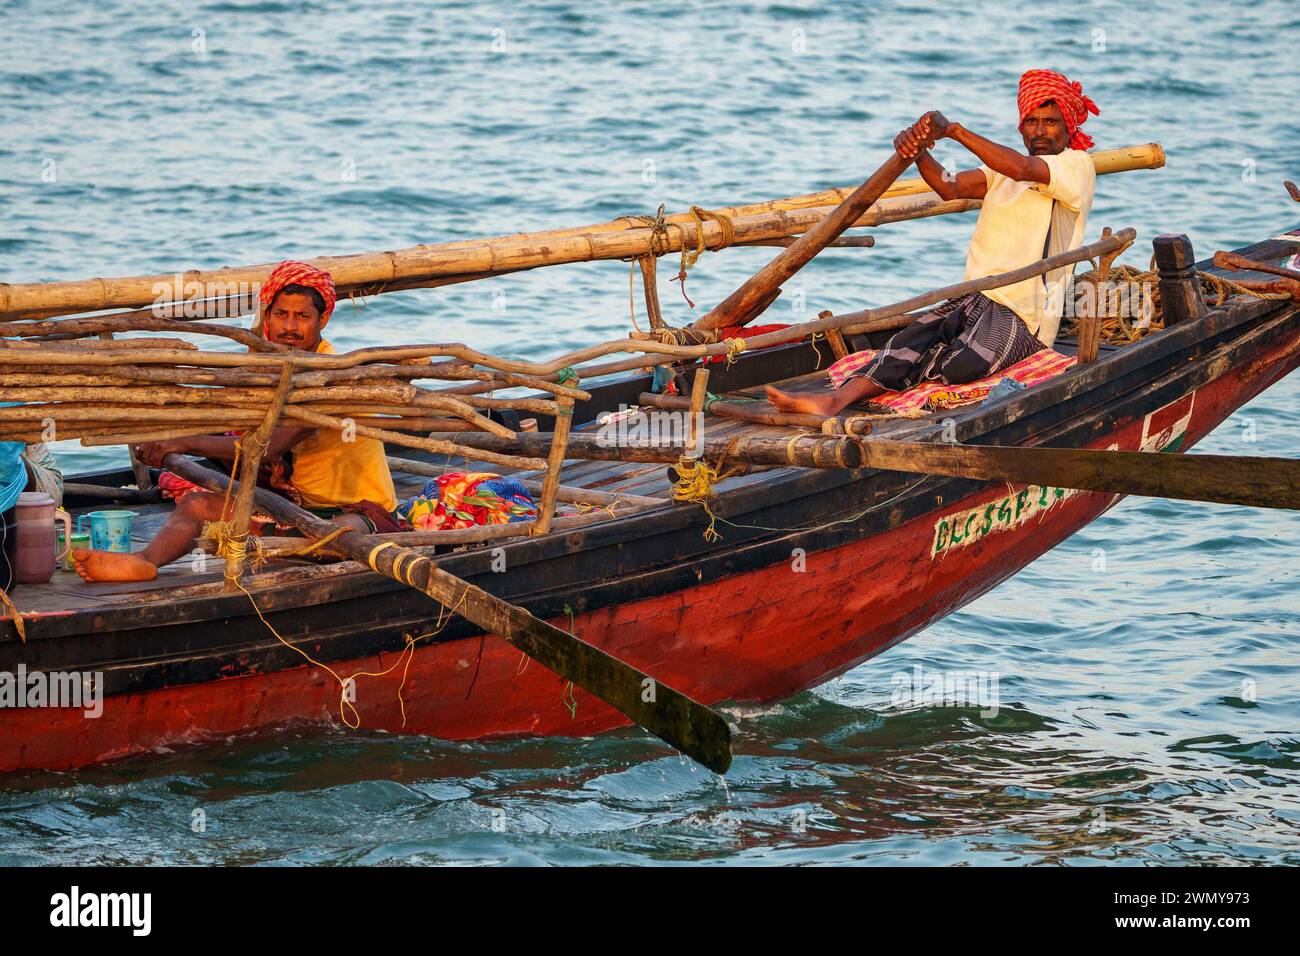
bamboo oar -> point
(745, 303)
(1224, 479)
(668, 714)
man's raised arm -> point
(1003, 159)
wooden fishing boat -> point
(808, 556)
(816, 570)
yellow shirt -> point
(329, 472)
(1017, 219)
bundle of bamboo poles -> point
(190, 294)
(146, 390)
(126, 392)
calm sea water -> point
(1149, 668)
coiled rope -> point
(1120, 325)
(695, 479)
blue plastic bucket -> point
(109, 530)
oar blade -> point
(1222, 479)
(668, 714)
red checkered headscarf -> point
(1039, 86)
(298, 273)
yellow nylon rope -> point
(445, 614)
(734, 348)
(374, 552)
(695, 479)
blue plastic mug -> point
(109, 530)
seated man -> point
(1035, 206)
(328, 473)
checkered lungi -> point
(962, 340)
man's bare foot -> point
(806, 404)
(112, 566)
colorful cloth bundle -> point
(464, 499)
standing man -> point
(1035, 206)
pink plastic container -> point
(34, 515)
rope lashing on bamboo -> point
(405, 575)
(682, 336)
(658, 227)
(229, 545)
(659, 240)
(690, 257)
(262, 554)
(566, 374)
(19, 625)
(232, 547)
(734, 348)
(375, 552)
(658, 245)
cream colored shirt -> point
(1014, 223)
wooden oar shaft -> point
(743, 304)
(1225, 479)
(671, 716)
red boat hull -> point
(760, 635)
